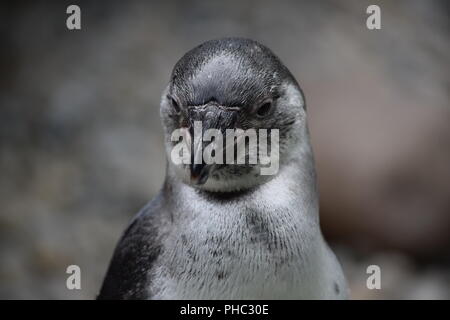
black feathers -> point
(128, 273)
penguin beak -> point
(200, 173)
(199, 169)
(211, 116)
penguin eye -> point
(264, 108)
(175, 105)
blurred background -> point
(81, 147)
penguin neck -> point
(296, 175)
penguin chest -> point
(246, 255)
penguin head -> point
(225, 86)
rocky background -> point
(81, 147)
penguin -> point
(226, 231)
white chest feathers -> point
(252, 249)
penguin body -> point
(235, 234)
